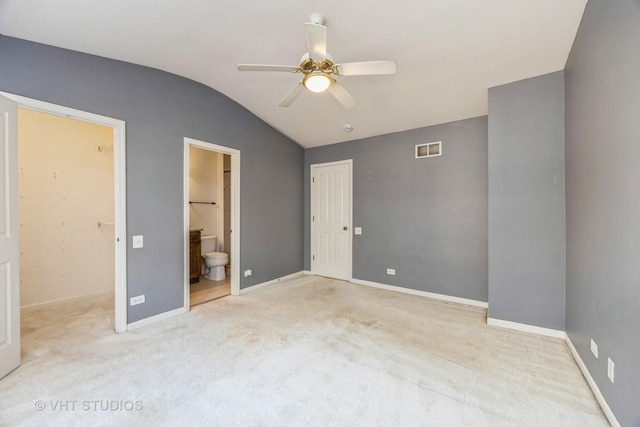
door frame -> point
(312, 191)
(235, 212)
(120, 189)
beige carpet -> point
(308, 351)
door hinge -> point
(313, 257)
(313, 218)
(313, 179)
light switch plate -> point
(357, 230)
(138, 242)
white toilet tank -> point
(208, 244)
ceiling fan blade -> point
(316, 41)
(292, 95)
(340, 93)
(260, 67)
(367, 68)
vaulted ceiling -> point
(448, 52)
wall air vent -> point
(432, 149)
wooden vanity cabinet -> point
(195, 258)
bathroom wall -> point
(226, 191)
(205, 185)
(66, 186)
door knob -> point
(345, 228)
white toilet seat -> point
(216, 255)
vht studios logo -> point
(89, 405)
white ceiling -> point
(449, 52)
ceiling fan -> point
(318, 67)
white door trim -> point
(235, 212)
(348, 162)
(119, 157)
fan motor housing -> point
(308, 65)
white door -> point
(9, 243)
(331, 219)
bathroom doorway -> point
(211, 190)
(55, 210)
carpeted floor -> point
(308, 351)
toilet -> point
(214, 261)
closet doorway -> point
(51, 199)
(211, 221)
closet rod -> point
(204, 203)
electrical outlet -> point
(137, 242)
(248, 273)
(594, 348)
(391, 271)
(610, 369)
(136, 300)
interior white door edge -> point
(9, 240)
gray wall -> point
(427, 218)
(603, 198)
(160, 109)
(527, 202)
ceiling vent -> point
(432, 149)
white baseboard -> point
(432, 295)
(157, 318)
(307, 272)
(594, 387)
(270, 282)
(31, 307)
(555, 333)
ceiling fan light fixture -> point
(318, 68)
(317, 81)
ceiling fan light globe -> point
(317, 82)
